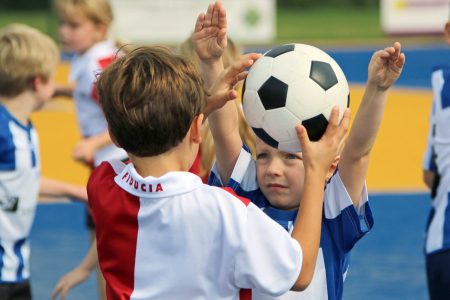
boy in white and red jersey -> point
(163, 234)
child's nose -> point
(273, 167)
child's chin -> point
(283, 204)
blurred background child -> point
(28, 62)
(83, 30)
(436, 175)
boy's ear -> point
(196, 129)
(37, 82)
(447, 32)
(333, 167)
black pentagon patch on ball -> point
(273, 93)
(315, 127)
(322, 73)
(266, 138)
(280, 50)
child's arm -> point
(65, 90)
(317, 158)
(384, 69)
(429, 167)
(78, 275)
(57, 188)
(210, 41)
(84, 151)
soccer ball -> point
(293, 84)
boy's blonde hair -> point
(98, 11)
(150, 98)
(25, 53)
(232, 52)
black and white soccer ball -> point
(293, 84)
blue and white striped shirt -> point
(19, 188)
(342, 227)
(437, 159)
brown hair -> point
(208, 156)
(150, 98)
(25, 53)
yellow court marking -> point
(396, 162)
(396, 158)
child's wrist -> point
(375, 87)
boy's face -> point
(280, 175)
(78, 33)
(44, 90)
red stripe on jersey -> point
(243, 199)
(115, 215)
(106, 61)
(103, 63)
(245, 294)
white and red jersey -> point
(174, 237)
(91, 120)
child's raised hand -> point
(321, 154)
(223, 88)
(210, 34)
(386, 66)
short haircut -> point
(150, 98)
(24, 54)
(98, 11)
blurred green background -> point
(316, 21)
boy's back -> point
(190, 240)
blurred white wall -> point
(414, 16)
(172, 21)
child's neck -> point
(156, 166)
(20, 106)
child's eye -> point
(261, 155)
(292, 156)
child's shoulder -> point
(106, 170)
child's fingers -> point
(215, 15)
(222, 22)
(209, 15)
(334, 116)
(222, 38)
(302, 135)
(199, 22)
(335, 127)
(221, 98)
(239, 66)
(241, 76)
(345, 123)
(400, 61)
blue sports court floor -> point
(387, 264)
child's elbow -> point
(302, 283)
